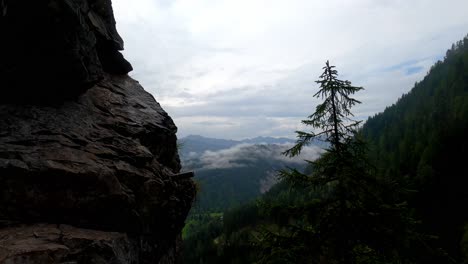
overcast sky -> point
(245, 68)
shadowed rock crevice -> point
(62, 46)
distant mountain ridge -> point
(232, 172)
(200, 144)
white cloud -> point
(244, 154)
(242, 68)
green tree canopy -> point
(348, 218)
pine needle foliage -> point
(349, 220)
(333, 116)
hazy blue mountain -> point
(200, 144)
(231, 172)
(268, 140)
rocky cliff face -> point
(88, 159)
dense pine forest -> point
(421, 143)
(391, 190)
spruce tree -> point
(332, 116)
(341, 168)
(346, 216)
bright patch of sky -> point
(246, 68)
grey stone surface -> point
(89, 169)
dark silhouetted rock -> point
(54, 244)
(106, 161)
(89, 169)
(64, 244)
(56, 49)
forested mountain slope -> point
(421, 142)
(418, 146)
(230, 172)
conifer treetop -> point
(333, 117)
